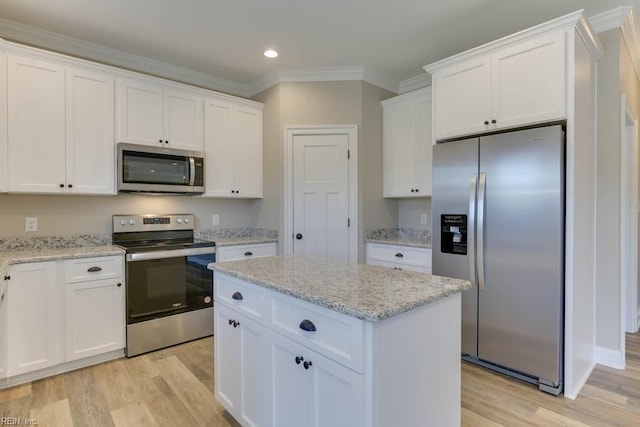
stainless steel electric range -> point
(168, 286)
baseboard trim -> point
(608, 357)
(61, 368)
(573, 393)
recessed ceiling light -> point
(270, 53)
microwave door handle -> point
(192, 171)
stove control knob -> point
(123, 222)
(132, 221)
(186, 220)
(179, 220)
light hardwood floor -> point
(173, 387)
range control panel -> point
(454, 234)
(129, 223)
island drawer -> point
(334, 335)
(399, 266)
(232, 253)
(96, 268)
(407, 255)
(243, 297)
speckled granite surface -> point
(367, 292)
(49, 242)
(25, 255)
(237, 236)
(400, 236)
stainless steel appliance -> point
(498, 221)
(159, 170)
(168, 286)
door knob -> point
(298, 236)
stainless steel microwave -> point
(156, 170)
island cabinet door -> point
(309, 389)
(241, 367)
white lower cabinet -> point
(399, 257)
(34, 327)
(94, 317)
(312, 390)
(51, 321)
(4, 299)
(232, 253)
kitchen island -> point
(314, 342)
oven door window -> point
(162, 287)
(146, 168)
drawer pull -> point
(248, 253)
(237, 296)
(399, 255)
(307, 364)
(94, 269)
(307, 325)
(299, 359)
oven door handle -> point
(169, 253)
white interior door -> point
(321, 195)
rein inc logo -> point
(18, 421)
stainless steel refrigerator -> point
(498, 221)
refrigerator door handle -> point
(482, 185)
(471, 225)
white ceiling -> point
(226, 38)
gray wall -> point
(409, 211)
(73, 215)
(616, 76)
(326, 103)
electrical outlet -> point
(215, 219)
(31, 224)
(423, 219)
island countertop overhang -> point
(367, 292)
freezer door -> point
(520, 311)
(455, 173)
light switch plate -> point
(423, 219)
(215, 219)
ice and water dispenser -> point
(454, 234)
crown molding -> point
(68, 45)
(414, 83)
(623, 18)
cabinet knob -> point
(299, 359)
(237, 296)
(7, 277)
(299, 236)
(230, 322)
(486, 122)
(248, 253)
(94, 269)
(70, 185)
(399, 255)
(413, 191)
(307, 364)
(307, 325)
(160, 141)
(493, 121)
(417, 190)
(236, 324)
(61, 185)
(119, 284)
(166, 142)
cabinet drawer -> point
(336, 336)
(232, 253)
(241, 296)
(85, 269)
(406, 255)
(400, 266)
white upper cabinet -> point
(60, 128)
(233, 149)
(36, 124)
(407, 147)
(159, 115)
(520, 84)
(90, 122)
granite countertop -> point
(52, 254)
(400, 237)
(238, 236)
(366, 292)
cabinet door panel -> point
(34, 328)
(219, 173)
(529, 81)
(248, 151)
(227, 361)
(400, 137)
(3, 125)
(90, 141)
(183, 120)
(462, 98)
(36, 125)
(139, 119)
(4, 303)
(94, 318)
